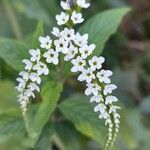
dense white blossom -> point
(87, 75)
(113, 109)
(35, 55)
(110, 99)
(24, 75)
(45, 42)
(68, 34)
(62, 18)
(72, 51)
(41, 68)
(76, 17)
(56, 32)
(92, 88)
(28, 64)
(109, 88)
(104, 75)
(86, 50)
(96, 62)
(78, 64)
(51, 56)
(65, 5)
(33, 87)
(34, 77)
(61, 45)
(97, 99)
(81, 40)
(83, 3)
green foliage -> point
(13, 52)
(32, 9)
(11, 122)
(45, 140)
(102, 26)
(78, 110)
(10, 97)
(38, 32)
(36, 123)
(65, 131)
(77, 125)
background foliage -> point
(71, 124)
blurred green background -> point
(127, 53)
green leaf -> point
(45, 140)
(102, 26)
(128, 138)
(13, 52)
(38, 32)
(50, 95)
(9, 98)
(11, 122)
(32, 9)
(78, 110)
(67, 138)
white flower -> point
(33, 87)
(21, 84)
(51, 56)
(24, 75)
(61, 45)
(68, 34)
(76, 17)
(104, 75)
(65, 5)
(81, 40)
(56, 32)
(29, 93)
(110, 99)
(113, 109)
(92, 88)
(86, 75)
(116, 115)
(104, 115)
(109, 88)
(86, 50)
(45, 42)
(100, 107)
(108, 121)
(72, 51)
(97, 99)
(62, 18)
(34, 77)
(83, 4)
(36, 54)
(28, 64)
(78, 63)
(96, 62)
(23, 104)
(41, 68)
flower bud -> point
(71, 3)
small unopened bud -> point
(71, 3)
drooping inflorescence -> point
(75, 48)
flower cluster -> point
(75, 48)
